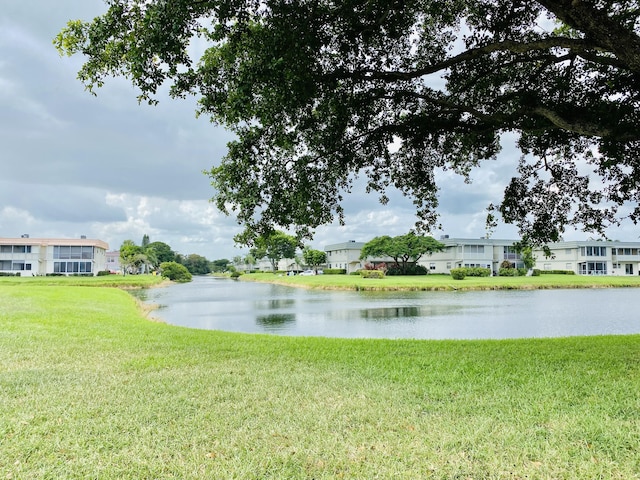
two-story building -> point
(589, 257)
(40, 256)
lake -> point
(224, 304)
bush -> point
(458, 273)
(175, 272)
(557, 272)
(507, 264)
(8, 274)
(371, 273)
(103, 273)
(410, 270)
(508, 272)
(235, 274)
(477, 272)
(536, 272)
(335, 271)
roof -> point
(45, 242)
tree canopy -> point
(314, 258)
(318, 92)
(275, 246)
(403, 248)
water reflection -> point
(220, 304)
(275, 321)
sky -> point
(104, 166)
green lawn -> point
(445, 282)
(90, 389)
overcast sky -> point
(106, 167)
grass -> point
(445, 282)
(90, 389)
(121, 281)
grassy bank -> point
(89, 389)
(120, 281)
(445, 282)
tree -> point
(317, 92)
(219, 265)
(175, 272)
(314, 258)
(196, 264)
(162, 251)
(403, 248)
(132, 257)
(145, 241)
(275, 246)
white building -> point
(42, 256)
(589, 257)
(592, 257)
(345, 255)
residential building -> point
(345, 255)
(592, 257)
(113, 262)
(42, 256)
(589, 257)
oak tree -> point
(404, 249)
(318, 92)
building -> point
(42, 256)
(345, 256)
(592, 257)
(589, 257)
(113, 262)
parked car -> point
(307, 273)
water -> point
(222, 304)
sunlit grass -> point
(445, 282)
(121, 281)
(89, 389)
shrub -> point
(103, 273)
(507, 264)
(458, 273)
(8, 274)
(410, 270)
(175, 272)
(334, 271)
(508, 272)
(235, 274)
(557, 272)
(477, 272)
(372, 273)
(536, 272)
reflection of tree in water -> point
(389, 312)
(275, 320)
(274, 304)
(384, 313)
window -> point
(448, 265)
(594, 251)
(6, 248)
(567, 251)
(510, 253)
(5, 264)
(568, 266)
(593, 268)
(474, 249)
(17, 266)
(547, 266)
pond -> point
(223, 304)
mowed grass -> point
(122, 281)
(90, 389)
(445, 282)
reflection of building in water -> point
(27, 256)
(589, 257)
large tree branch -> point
(578, 46)
(599, 29)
